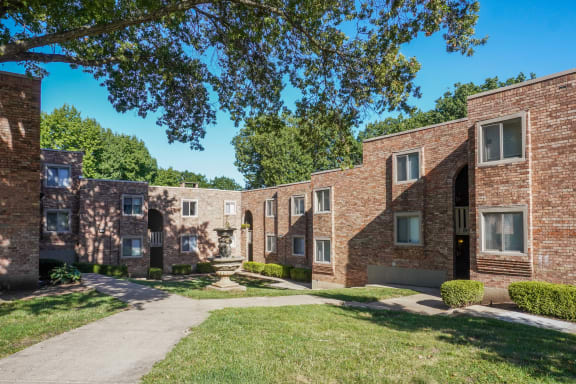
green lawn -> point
(328, 344)
(194, 288)
(27, 322)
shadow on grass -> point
(545, 354)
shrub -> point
(47, 265)
(181, 269)
(274, 270)
(103, 269)
(301, 274)
(254, 267)
(64, 275)
(286, 269)
(155, 274)
(540, 298)
(462, 293)
(204, 268)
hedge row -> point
(181, 269)
(277, 270)
(103, 269)
(155, 274)
(204, 268)
(462, 293)
(540, 298)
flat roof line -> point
(336, 170)
(415, 130)
(277, 186)
(523, 84)
(115, 181)
(60, 150)
(193, 189)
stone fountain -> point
(225, 265)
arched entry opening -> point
(249, 247)
(461, 225)
(156, 238)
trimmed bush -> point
(273, 270)
(253, 266)
(462, 293)
(540, 298)
(286, 269)
(103, 269)
(65, 274)
(181, 269)
(47, 265)
(155, 274)
(204, 268)
(301, 274)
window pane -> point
(63, 222)
(136, 247)
(185, 208)
(414, 230)
(127, 247)
(414, 165)
(64, 177)
(185, 244)
(51, 221)
(491, 139)
(326, 200)
(401, 168)
(193, 242)
(402, 230)
(193, 208)
(320, 250)
(513, 232)
(137, 206)
(298, 245)
(127, 206)
(512, 138)
(52, 177)
(492, 231)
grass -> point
(328, 344)
(194, 288)
(27, 322)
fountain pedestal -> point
(224, 264)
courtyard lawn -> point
(27, 322)
(328, 344)
(194, 288)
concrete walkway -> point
(123, 347)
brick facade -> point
(19, 180)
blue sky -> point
(524, 36)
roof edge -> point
(277, 186)
(415, 130)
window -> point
(298, 205)
(502, 141)
(270, 208)
(407, 226)
(188, 243)
(407, 166)
(132, 205)
(503, 232)
(189, 208)
(322, 254)
(57, 220)
(131, 247)
(57, 176)
(322, 197)
(270, 243)
(298, 246)
(229, 207)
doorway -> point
(156, 238)
(461, 226)
(249, 247)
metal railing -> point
(461, 220)
(156, 239)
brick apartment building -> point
(489, 197)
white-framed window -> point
(503, 230)
(229, 207)
(58, 176)
(270, 243)
(322, 251)
(298, 245)
(270, 207)
(298, 205)
(57, 220)
(408, 228)
(407, 166)
(188, 243)
(502, 140)
(132, 205)
(322, 200)
(131, 246)
(189, 208)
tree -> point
(168, 177)
(226, 183)
(65, 129)
(451, 106)
(177, 56)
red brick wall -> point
(543, 183)
(168, 200)
(60, 245)
(19, 180)
(102, 224)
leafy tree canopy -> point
(180, 57)
(108, 155)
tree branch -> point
(57, 58)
